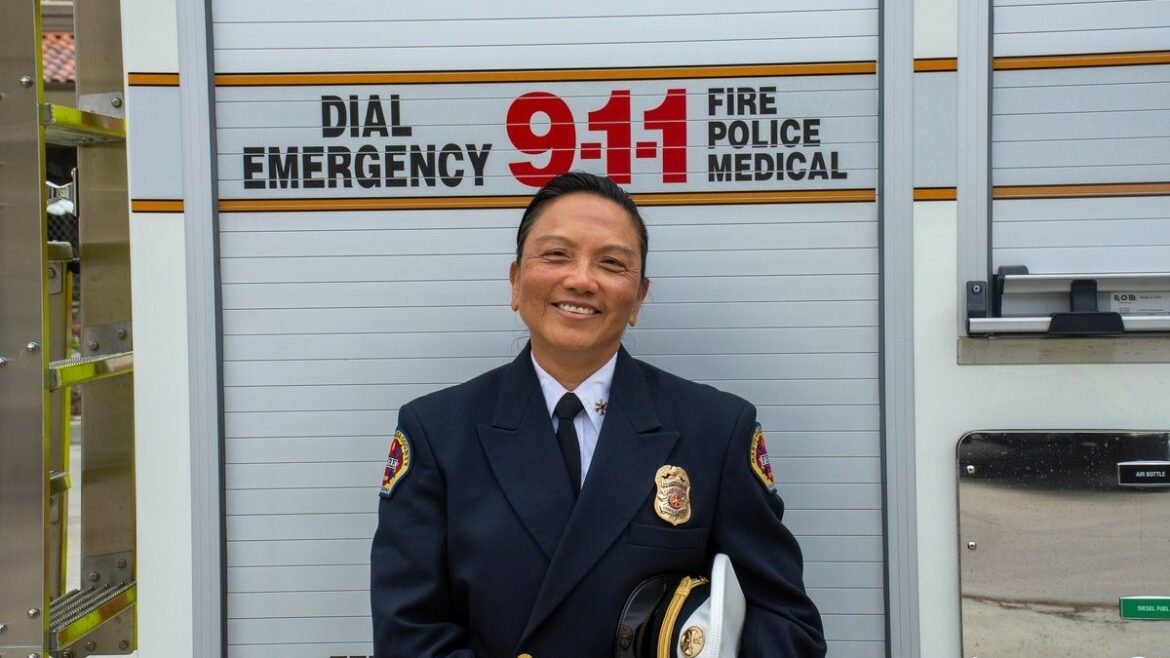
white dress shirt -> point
(593, 393)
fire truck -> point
(929, 240)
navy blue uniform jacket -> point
(481, 550)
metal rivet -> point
(90, 646)
(970, 545)
(92, 345)
(976, 288)
(94, 576)
(970, 469)
(121, 333)
(33, 613)
(26, 81)
(33, 347)
(124, 645)
(116, 101)
(121, 564)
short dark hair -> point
(575, 182)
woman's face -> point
(578, 281)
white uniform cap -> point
(713, 629)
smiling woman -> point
(522, 508)
(578, 278)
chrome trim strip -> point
(1039, 325)
(1037, 283)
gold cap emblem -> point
(672, 503)
(692, 641)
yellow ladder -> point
(40, 362)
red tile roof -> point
(57, 51)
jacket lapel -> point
(621, 476)
(523, 453)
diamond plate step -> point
(82, 611)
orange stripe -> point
(936, 194)
(1079, 191)
(378, 203)
(156, 205)
(737, 198)
(153, 79)
(932, 64)
(545, 75)
(1081, 61)
(521, 201)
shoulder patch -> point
(397, 463)
(759, 460)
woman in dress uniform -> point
(519, 509)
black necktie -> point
(566, 410)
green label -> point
(1145, 607)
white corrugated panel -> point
(1072, 131)
(314, 36)
(334, 318)
(1106, 235)
(1046, 27)
(1081, 125)
(265, 130)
